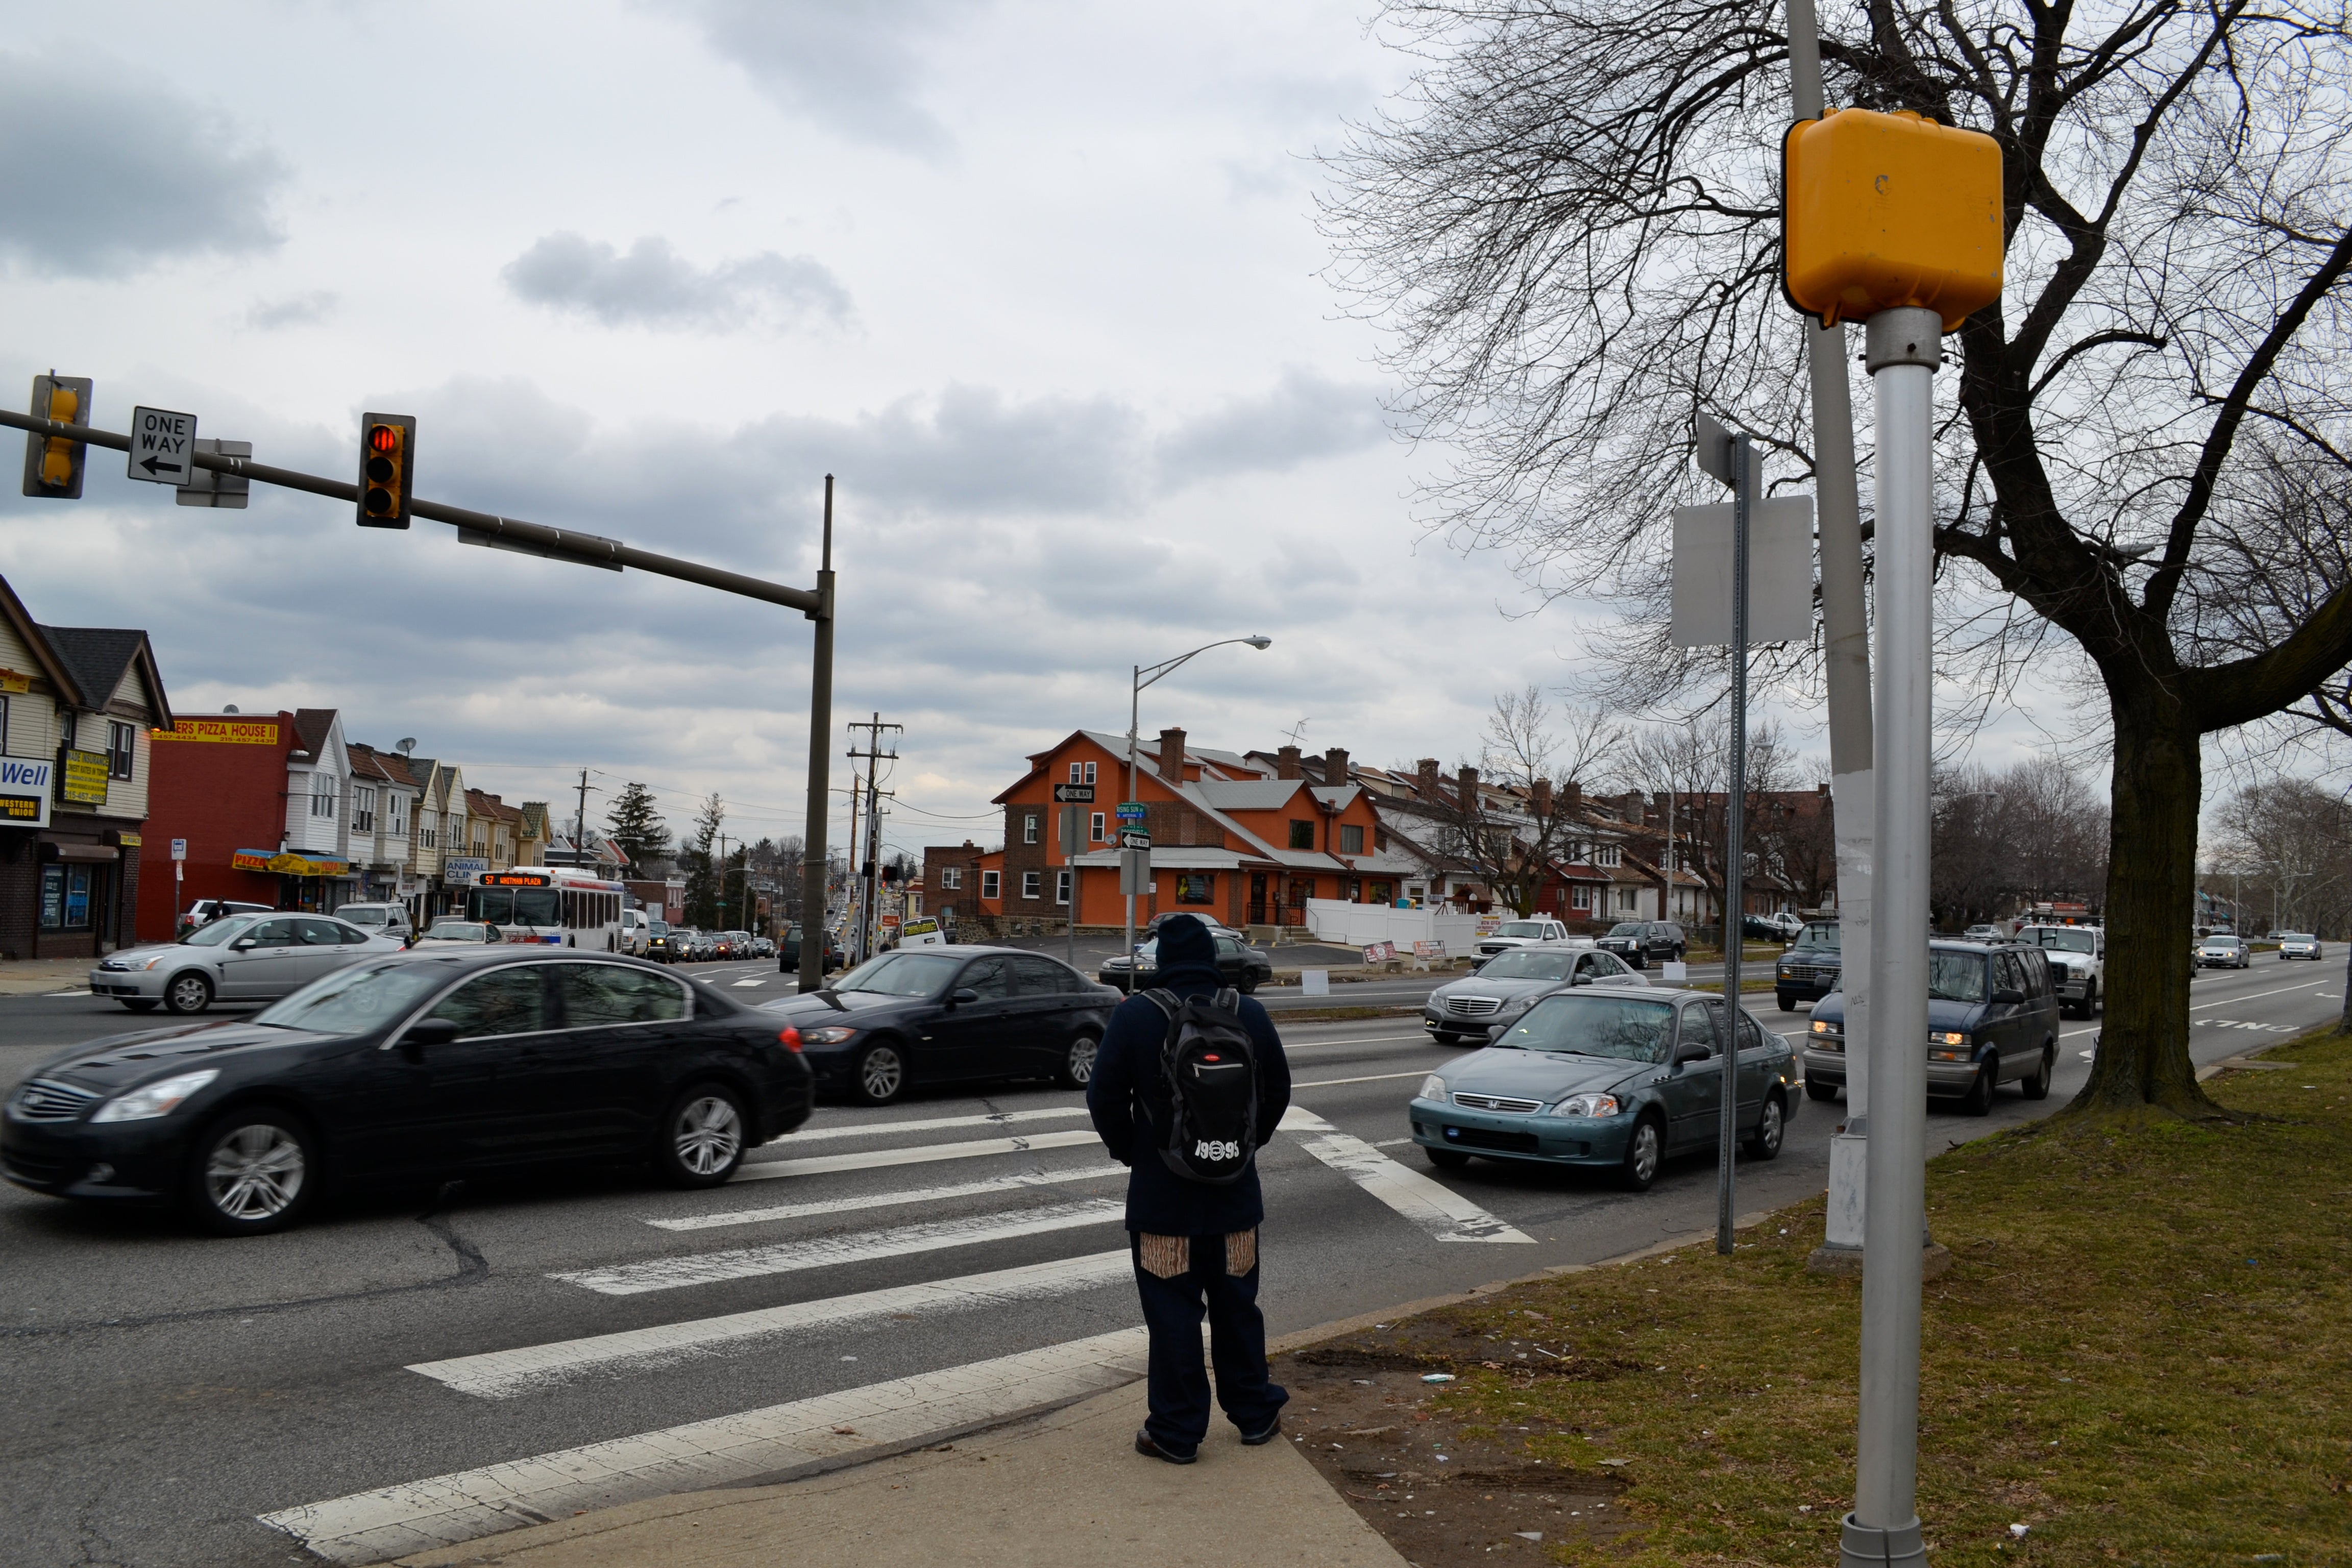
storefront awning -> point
(286, 863)
(81, 852)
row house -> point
(79, 709)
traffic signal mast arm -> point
(587, 549)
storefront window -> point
(1196, 889)
(65, 898)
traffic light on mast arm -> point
(387, 469)
(53, 465)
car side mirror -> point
(1691, 1051)
(1582, 980)
(962, 994)
(426, 1032)
(2009, 994)
(243, 945)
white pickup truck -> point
(2078, 964)
(1525, 933)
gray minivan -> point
(1992, 1018)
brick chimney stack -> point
(1540, 797)
(1465, 789)
(1335, 767)
(1427, 780)
(1285, 762)
(1572, 793)
(1172, 755)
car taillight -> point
(790, 1038)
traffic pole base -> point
(1845, 1262)
(1869, 1546)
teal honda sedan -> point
(1608, 1078)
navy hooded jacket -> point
(1124, 1092)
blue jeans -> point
(1180, 1279)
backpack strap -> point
(1164, 999)
(1230, 1000)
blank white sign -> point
(1779, 573)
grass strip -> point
(2139, 1355)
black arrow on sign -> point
(153, 464)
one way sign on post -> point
(160, 445)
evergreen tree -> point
(703, 890)
(635, 825)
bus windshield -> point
(515, 905)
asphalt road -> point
(166, 1389)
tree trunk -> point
(2143, 1056)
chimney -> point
(1172, 755)
(1465, 789)
(1573, 793)
(1286, 764)
(1335, 767)
(1540, 797)
(1427, 782)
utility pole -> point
(813, 871)
(580, 835)
(870, 872)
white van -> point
(637, 933)
(380, 919)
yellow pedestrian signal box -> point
(1879, 211)
(387, 453)
(53, 465)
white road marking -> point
(393, 1522)
(890, 1199)
(921, 1154)
(930, 1124)
(755, 980)
(1376, 1078)
(828, 1251)
(1435, 1207)
(504, 1374)
(2249, 996)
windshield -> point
(218, 932)
(1528, 963)
(1594, 1027)
(2068, 939)
(514, 906)
(359, 917)
(661, 927)
(1955, 976)
(1522, 928)
(2296, 936)
(1821, 939)
(355, 1000)
(1626, 928)
(902, 974)
(459, 931)
(2220, 941)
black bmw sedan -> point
(415, 1066)
(942, 1015)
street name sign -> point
(163, 446)
(1083, 793)
(1131, 811)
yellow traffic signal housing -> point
(387, 459)
(53, 465)
(1886, 210)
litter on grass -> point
(1437, 1377)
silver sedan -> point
(1510, 983)
(244, 958)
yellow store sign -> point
(231, 732)
(85, 777)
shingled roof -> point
(99, 657)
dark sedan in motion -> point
(940, 1014)
(1246, 968)
(418, 1066)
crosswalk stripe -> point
(755, 980)
(531, 1369)
(896, 1198)
(803, 1436)
(1432, 1205)
(828, 1251)
(921, 1154)
(932, 1124)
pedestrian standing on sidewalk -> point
(1189, 1083)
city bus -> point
(559, 906)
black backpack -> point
(1208, 1069)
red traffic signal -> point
(387, 453)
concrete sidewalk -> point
(1062, 1489)
(45, 976)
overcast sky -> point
(1039, 282)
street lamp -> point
(1147, 675)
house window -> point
(118, 750)
(1030, 882)
(1351, 839)
(951, 878)
(991, 884)
(1196, 888)
(1075, 772)
(397, 809)
(427, 834)
(68, 729)
(4, 726)
(323, 796)
(1625, 897)
(1302, 834)
(1097, 830)
(1090, 772)
(1609, 855)
(1579, 897)
(1061, 885)
(363, 810)
(1029, 828)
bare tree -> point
(2284, 849)
(1532, 752)
(2001, 841)
(1690, 763)
(1571, 224)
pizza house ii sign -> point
(229, 732)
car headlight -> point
(1433, 1087)
(1823, 1027)
(831, 1035)
(152, 963)
(158, 1099)
(1586, 1105)
(1947, 1037)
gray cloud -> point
(109, 170)
(1305, 418)
(653, 286)
(850, 67)
(293, 311)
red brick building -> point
(220, 784)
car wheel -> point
(1078, 1064)
(253, 1171)
(1814, 1090)
(2090, 1000)
(702, 1137)
(1788, 1002)
(1977, 1101)
(138, 1003)
(1447, 1158)
(1771, 1126)
(1645, 1151)
(881, 1074)
(2038, 1085)
(188, 992)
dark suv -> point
(1638, 942)
(1992, 1018)
(1812, 967)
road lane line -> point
(930, 1124)
(1435, 1207)
(804, 1436)
(921, 1154)
(830, 1251)
(755, 980)
(889, 1199)
(531, 1369)
(1376, 1078)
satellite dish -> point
(228, 707)
(407, 744)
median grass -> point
(2140, 1355)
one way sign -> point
(161, 442)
